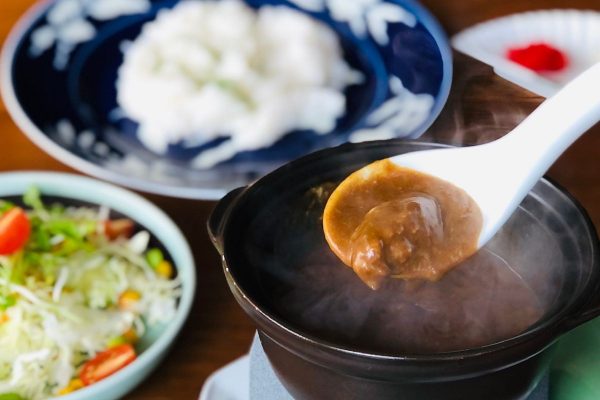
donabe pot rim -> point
(547, 329)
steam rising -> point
(472, 117)
(497, 294)
(523, 275)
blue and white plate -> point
(61, 91)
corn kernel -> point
(73, 385)
(128, 298)
(64, 391)
(164, 269)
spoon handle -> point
(525, 154)
(547, 132)
(499, 174)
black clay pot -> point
(550, 227)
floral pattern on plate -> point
(70, 51)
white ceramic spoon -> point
(498, 175)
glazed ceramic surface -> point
(70, 52)
(549, 240)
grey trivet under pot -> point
(264, 384)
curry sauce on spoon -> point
(389, 221)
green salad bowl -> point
(156, 342)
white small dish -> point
(575, 32)
(232, 382)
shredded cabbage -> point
(59, 296)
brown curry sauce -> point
(389, 221)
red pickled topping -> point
(539, 57)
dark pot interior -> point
(270, 236)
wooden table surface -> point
(481, 107)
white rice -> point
(208, 69)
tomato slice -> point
(115, 228)
(107, 363)
(14, 230)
